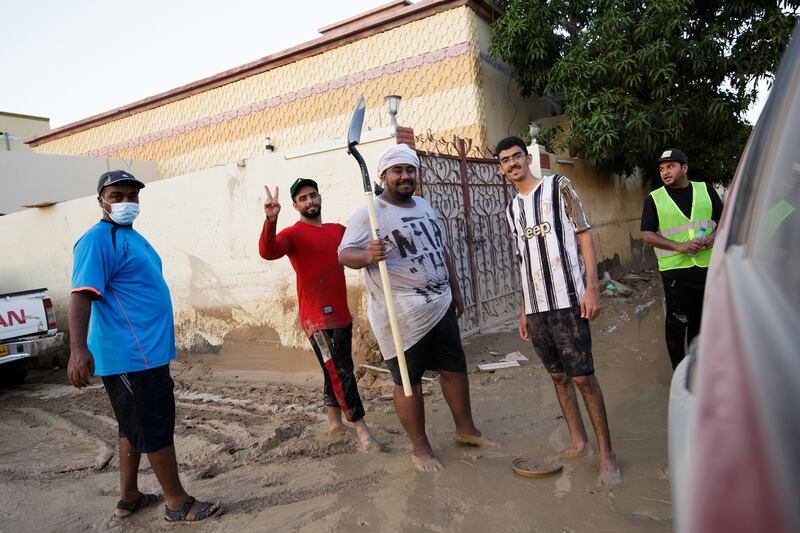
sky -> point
(71, 59)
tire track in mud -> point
(219, 427)
(285, 497)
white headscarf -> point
(399, 154)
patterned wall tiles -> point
(432, 63)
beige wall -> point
(614, 208)
(27, 178)
(613, 205)
(506, 112)
(205, 226)
(20, 127)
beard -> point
(313, 211)
(406, 195)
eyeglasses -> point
(515, 158)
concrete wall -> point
(14, 128)
(205, 225)
(27, 178)
(613, 205)
(506, 112)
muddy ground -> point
(251, 430)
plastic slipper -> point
(143, 501)
(520, 466)
(370, 445)
(204, 510)
(474, 440)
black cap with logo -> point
(673, 154)
(117, 176)
(300, 183)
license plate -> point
(3, 350)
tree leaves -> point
(636, 76)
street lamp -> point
(392, 106)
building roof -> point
(382, 18)
(21, 115)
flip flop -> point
(370, 445)
(519, 466)
(474, 440)
(143, 501)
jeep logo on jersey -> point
(539, 230)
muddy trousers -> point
(334, 353)
(684, 309)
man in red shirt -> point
(322, 296)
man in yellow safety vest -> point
(679, 220)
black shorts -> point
(144, 406)
(562, 341)
(439, 349)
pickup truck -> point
(27, 330)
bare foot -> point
(574, 451)
(427, 463)
(335, 431)
(610, 473)
(475, 440)
(610, 477)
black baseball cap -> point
(116, 176)
(673, 154)
(302, 182)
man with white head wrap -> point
(427, 299)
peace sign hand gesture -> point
(271, 205)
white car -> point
(734, 413)
(27, 330)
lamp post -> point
(533, 150)
(392, 103)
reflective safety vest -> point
(673, 225)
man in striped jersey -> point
(553, 242)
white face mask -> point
(123, 213)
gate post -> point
(461, 149)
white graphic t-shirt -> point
(415, 258)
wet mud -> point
(251, 430)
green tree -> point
(637, 76)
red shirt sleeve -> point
(271, 246)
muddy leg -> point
(579, 442)
(335, 424)
(595, 405)
(455, 388)
(411, 412)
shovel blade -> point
(357, 122)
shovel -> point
(353, 138)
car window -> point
(775, 215)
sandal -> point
(371, 445)
(204, 510)
(143, 501)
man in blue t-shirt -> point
(121, 328)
